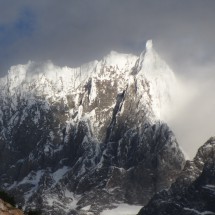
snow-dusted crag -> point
(87, 137)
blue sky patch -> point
(23, 27)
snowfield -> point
(123, 209)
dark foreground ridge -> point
(193, 193)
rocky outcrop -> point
(194, 190)
(7, 209)
(89, 136)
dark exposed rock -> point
(194, 190)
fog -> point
(193, 121)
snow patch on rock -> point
(123, 209)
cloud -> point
(74, 32)
(194, 122)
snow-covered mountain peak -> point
(55, 83)
(86, 131)
(119, 60)
(149, 45)
(46, 78)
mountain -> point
(194, 190)
(88, 137)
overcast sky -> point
(72, 32)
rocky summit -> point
(194, 190)
(88, 137)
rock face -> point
(89, 136)
(7, 209)
(194, 190)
